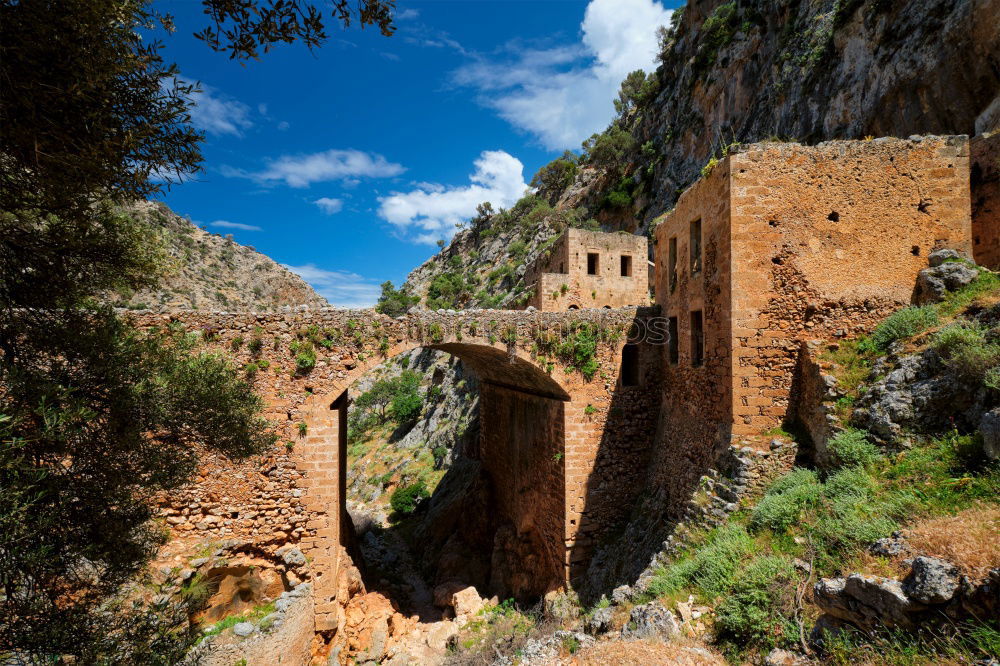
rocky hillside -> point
(782, 70)
(387, 450)
(207, 271)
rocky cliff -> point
(738, 73)
(206, 271)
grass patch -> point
(254, 615)
(899, 325)
(851, 448)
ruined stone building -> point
(590, 269)
(783, 243)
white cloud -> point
(431, 211)
(342, 288)
(216, 113)
(234, 225)
(283, 125)
(302, 170)
(564, 94)
(407, 14)
(329, 206)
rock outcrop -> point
(933, 592)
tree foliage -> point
(636, 90)
(242, 27)
(87, 107)
(610, 150)
(96, 417)
(407, 402)
(553, 178)
(404, 499)
(395, 302)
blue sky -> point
(347, 164)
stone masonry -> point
(776, 246)
(590, 269)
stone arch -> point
(522, 449)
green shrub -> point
(393, 302)
(901, 324)
(757, 610)
(305, 356)
(407, 402)
(557, 175)
(711, 568)
(968, 352)
(852, 448)
(445, 290)
(785, 501)
(404, 499)
(954, 337)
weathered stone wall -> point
(567, 264)
(609, 443)
(985, 167)
(827, 240)
(697, 399)
(523, 453)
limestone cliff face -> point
(207, 271)
(813, 71)
(742, 72)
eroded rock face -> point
(918, 395)
(989, 428)
(651, 620)
(932, 581)
(933, 284)
(934, 591)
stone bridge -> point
(569, 407)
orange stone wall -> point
(985, 167)
(827, 241)
(697, 401)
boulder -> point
(889, 546)
(621, 594)
(651, 620)
(931, 580)
(933, 284)
(244, 629)
(938, 257)
(779, 657)
(466, 601)
(599, 621)
(445, 593)
(866, 601)
(989, 428)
